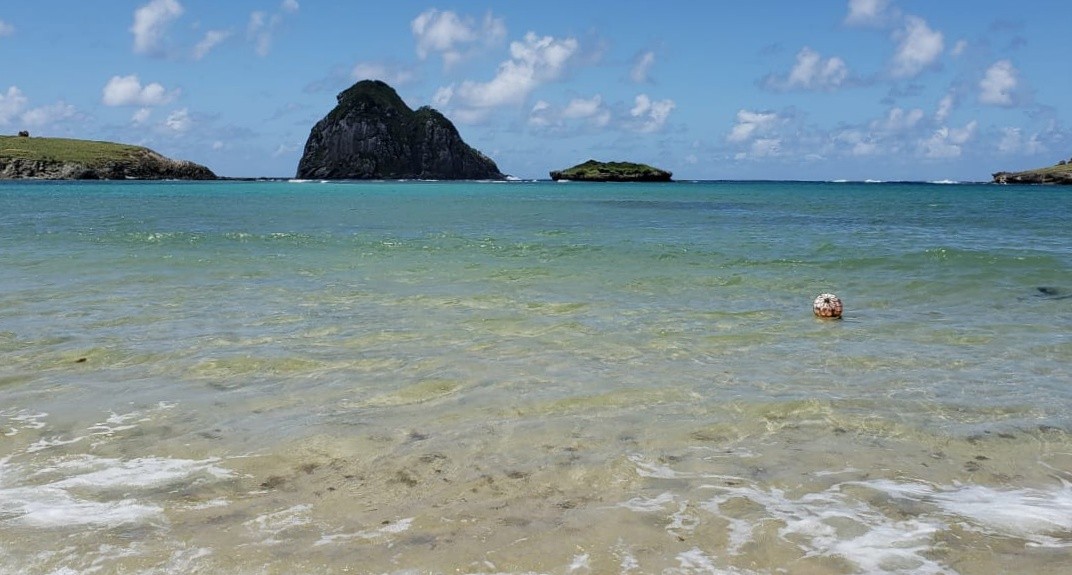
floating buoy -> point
(827, 305)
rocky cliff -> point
(66, 159)
(373, 134)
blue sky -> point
(776, 89)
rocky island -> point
(1058, 174)
(25, 157)
(373, 134)
(593, 171)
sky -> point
(769, 89)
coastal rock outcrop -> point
(372, 134)
(23, 157)
(593, 171)
(1058, 174)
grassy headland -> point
(23, 157)
(1058, 174)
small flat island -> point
(593, 171)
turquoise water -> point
(534, 377)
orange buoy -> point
(828, 306)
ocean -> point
(534, 377)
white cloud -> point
(652, 115)
(151, 22)
(128, 91)
(866, 12)
(13, 109)
(1013, 141)
(179, 120)
(48, 114)
(452, 36)
(751, 124)
(259, 32)
(811, 72)
(262, 28)
(443, 96)
(393, 75)
(212, 39)
(998, 85)
(591, 109)
(959, 48)
(141, 115)
(642, 68)
(579, 112)
(945, 107)
(11, 105)
(534, 61)
(898, 120)
(947, 142)
(918, 46)
(6, 29)
(766, 147)
(541, 114)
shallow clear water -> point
(420, 377)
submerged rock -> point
(373, 134)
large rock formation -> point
(373, 134)
(24, 157)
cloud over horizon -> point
(151, 23)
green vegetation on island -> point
(23, 157)
(593, 171)
(1058, 174)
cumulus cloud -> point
(179, 120)
(262, 27)
(212, 39)
(151, 22)
(918, 47)
(1013, 141)
(588, 109)
(811, 72)
(6, 29)
(45, 115)
(13, 108)
(128, 91)
(650, 115)
(640, 73)
(898, 120)
(998, 85)
(533, 61)
(141, 116)
(581, 113)
(867, 12)
(452, 36)
(945, 107)
(12, 104)
(752, 124)
(945, 142)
